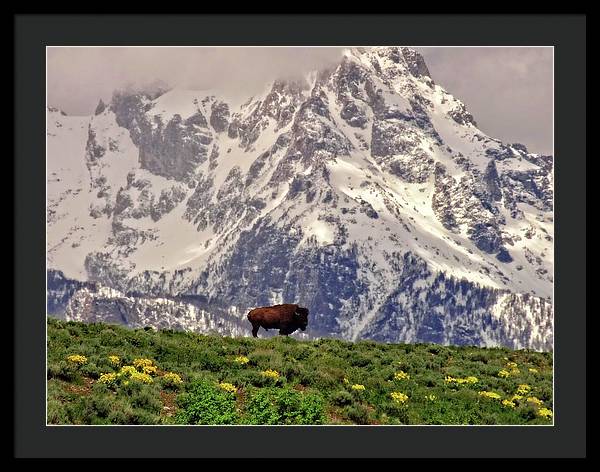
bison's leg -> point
(255, 330)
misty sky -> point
(508, 90)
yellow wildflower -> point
(141, 363)
(508, 403)
(358, 387)
(533, 371)
(460, 381)
(241, 360)
(511, 365)
(536, 401)
(108, 378)
(114, 360)
(516, 397)
(401, 375)
(523, 389)
(503, 373)
(346, 381)
(545, 413)
(431, 398)
(228, 387)
(398, 397)
(273, 374)
(127, 370)
(492, 395)
(149, 369)
(141, 377)
(77, 359)
(172, 378)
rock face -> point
(366, 194)
(93, 302)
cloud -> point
(79, 77)
(508, 90)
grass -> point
(284, 381)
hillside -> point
(108, 374)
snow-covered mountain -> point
(365, 192)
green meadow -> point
(106, 374)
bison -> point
(287, 318)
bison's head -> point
(301, 317)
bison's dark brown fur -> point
(286, 318)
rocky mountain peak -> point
(392, 60)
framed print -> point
(301, 239)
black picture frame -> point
(32, 438)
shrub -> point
(342, 398)
(171, 380)
(311, 410)
(527, 411)
(399, 411)
(63, 370)
(245, 378)
(320, 378)
(206, 403)
(266, 358)
(261, 409)
(90, 370)
(357, 413)
(211, 361)
(140, 416)
(120, 416)
(127, 388)
(302, 353)
(285, 406)
(434, 349)
(56, 413)
(357, 359)
(147, 399)
(97, 406)
(108, 337)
